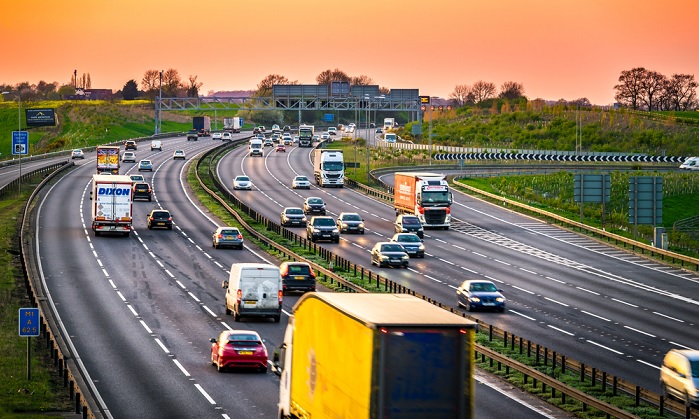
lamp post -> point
(160, 104)
(19, 132)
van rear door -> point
(260, 288)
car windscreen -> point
(483, 286)
(242, 179)
(315, 201)
(351, 217)
(391, 248)
(292, 211)
(410, 221)
(324, 222)
(229, 232)
(161, 214)
(695, 368)
(333, 165)
(298, 270)
(409, 238)
(302, 179)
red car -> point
(238, 349)
(281, 147)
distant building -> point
(90, 94)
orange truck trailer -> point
(425, 195)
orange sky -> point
(556, 49)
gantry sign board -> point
(646, 200)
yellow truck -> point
(357, 356)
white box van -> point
(255, 147)
(156, 145)
(692, 163)
(255, 290)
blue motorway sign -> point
(328, 117)
(29, 322)
(20, 142)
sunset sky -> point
(555, 49)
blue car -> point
(479, 294)
(144, 165)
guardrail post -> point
(490, 333)
(538, 353)
(662, 405)
(604, 381)
(546, 355)
(582, 373)
(638, 396)
(521, 342)
(594, 376)
(77, 403)
(529, 348)
(615, 385)
(504, 339)
(553, 362)
(563, 364)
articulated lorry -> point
(328, 167)
(111, 204)
(108, 159)
(233, 124)
(375, 356)
(306, 135)
(202, 124)
(425, 195)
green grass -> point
(44, 392)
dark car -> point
(159, 219)
(292, 216)
(286, 128)
(130, 145)
(389, 254)
(297, 276)
(141, 190)
(350, 222)
(322, 228)
(192, 134)
(314, 205)
(411, 243)
(227, 237)
(239, 349)
(475, 294)
(409, 224)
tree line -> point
(643, 89)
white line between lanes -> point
(184, 371)
(522, 289)
(639, 331)
(554, 301)
(668, 317)
(561, 330)
(595, 315)
(604, 347)
(162, 346)
(201, 390)
(145, 326)
(522, 315)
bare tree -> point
(193, 86)
(651, 88)
(583, 102)
(629, 91)
(460, 95)
(172, 82)
(511, 90)
(483, 90)
(361, 80)
(328, 76)
(264, 88)
(150, 81)
(681, 92)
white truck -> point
(111, 204)
(233, 124)
(389, 124)
(328, 167)
(425, 195)
(306, 135)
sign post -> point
(20, 146)
(29, 326)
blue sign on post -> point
(20, 142)
(29, 322)
(328, 117)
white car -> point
(226, 136)
(128, 156)
(242, 182)
(300, 182)
(332, 131)
(325, 136)
(179, 154)
(77, 154)
(216, 136)
(296, 138)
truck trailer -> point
(328, 167)
(108, 159)
(111, 204)
(382, 356)
(202, 124)
(233, 124)
(425, 195)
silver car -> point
(293, 216)
(227, 237)
(242, 182)
(300, 182)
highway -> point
(139, 311)
(603, 306)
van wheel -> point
(236, 317)
(228, 310)
(277, 318)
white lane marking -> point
(522, 289)
(201, 390)
(586, 290)
(180, 284)
(520, 314)
(469, 270)
(680, 345)
(112, 284)
(121, 296)
(480, 254)
(555, 280)
(133, 310)
(595, 315)
(503, 262)
(528, 271)
(434, 279)
(648, 363)
(624, 302)
(639, 331)
(209, 310)
(193, 296)
(554, 301)
(561, 330)
(512, 396)
(145, 326)
(226, 326)
(440, 240)
(413, 270)
(458, 247)
(604, 347)
(447, 261)
(184, 371)
(162, 346)
(668, 317)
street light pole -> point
(160, 104)
(19, 131)
(368, 151)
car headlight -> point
(500, 299)
(422, 247)
(383, 257)
(336, 230)
(361, 225)
(344, 225)
(475, 299)
(405, 257)
(304, 219)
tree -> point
(681, 92)
(171, 82)
(461, 95)
(332, 75)
(264, 88)
(194, 86)
(150, 82)
(482, 90)
(361, 80)
(130, 90)
(511, 90)
(629, 90)
(583, 102)
(66, 90)
(651, 87)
